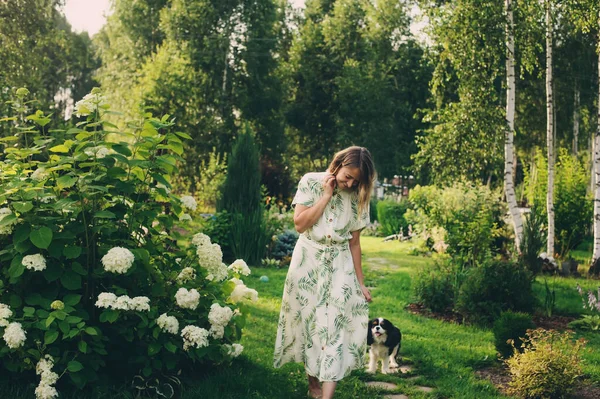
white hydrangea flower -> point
(241, 293)
(240, 267)
(35, 262)
(209, 255)
(90, 103)
(187, 299)
(189, 202)
(217, 332)
(122, 303)
(118, 260)
(200, 240)
(14, 335)
(99, 151)
(233, 350)
(57, 305)
(45, 389)
(219, 315)
(39, 174)
(187, 274)
(194, 337)
(5, 311)
(168, 323)
(217, 273)
(106, 300)
(140, 304)
(237, 281)
(185, 217)
(7, 228)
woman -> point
(324, 310)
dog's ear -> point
(393, 336)
(369, 335)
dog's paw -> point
(385, 371)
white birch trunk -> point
(509, 151)
(596, 147)
(549, 130)
(576, 101)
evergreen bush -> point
(509, 330)
(242, 199)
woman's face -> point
(347, 178)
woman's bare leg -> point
(329, 389)
(314, 386)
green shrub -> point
(492, 288)
(373, 209)
(94, 285)
(434, 287)
(218, 228)
(511, 326)
(534, 240)
(548, 367)
(242, 198)
(572, 206)
(390, 215)
(464, 219)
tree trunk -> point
(576, 120)
(596, 253)
(549, 130)
(509, 156)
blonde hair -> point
(357, 157)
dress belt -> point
(323, 246)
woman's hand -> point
(329, 184)
(366, 293)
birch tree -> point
(509, 184)
(549, 128)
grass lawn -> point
(443, 355)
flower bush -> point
(591, 303)
(93, 284)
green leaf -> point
(82, 345)
(122, 149)
(16, 267)
(72, 299)
(91, 331)
(52, 272)
(34, 299)
(50, 336)
(49, 320)
(153, 348)
(71, 252)
(74, 366)
(28, 311)
(78, 268)
(8, 219)
(61, 148)
(116, 172)
(66, 181)
(74, 320)
(64, 327)
(21, 233)
(22, 206)
(171, 347)
(71, 280)
(183, 135)
(105, 215)
(41, 238)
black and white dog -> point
(384, 340)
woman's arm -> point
(355, 250)
(305, 217)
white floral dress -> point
(324, 314)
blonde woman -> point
(324, 309)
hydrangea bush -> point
(93, 282)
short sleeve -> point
(362, 220)
(304, 195)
